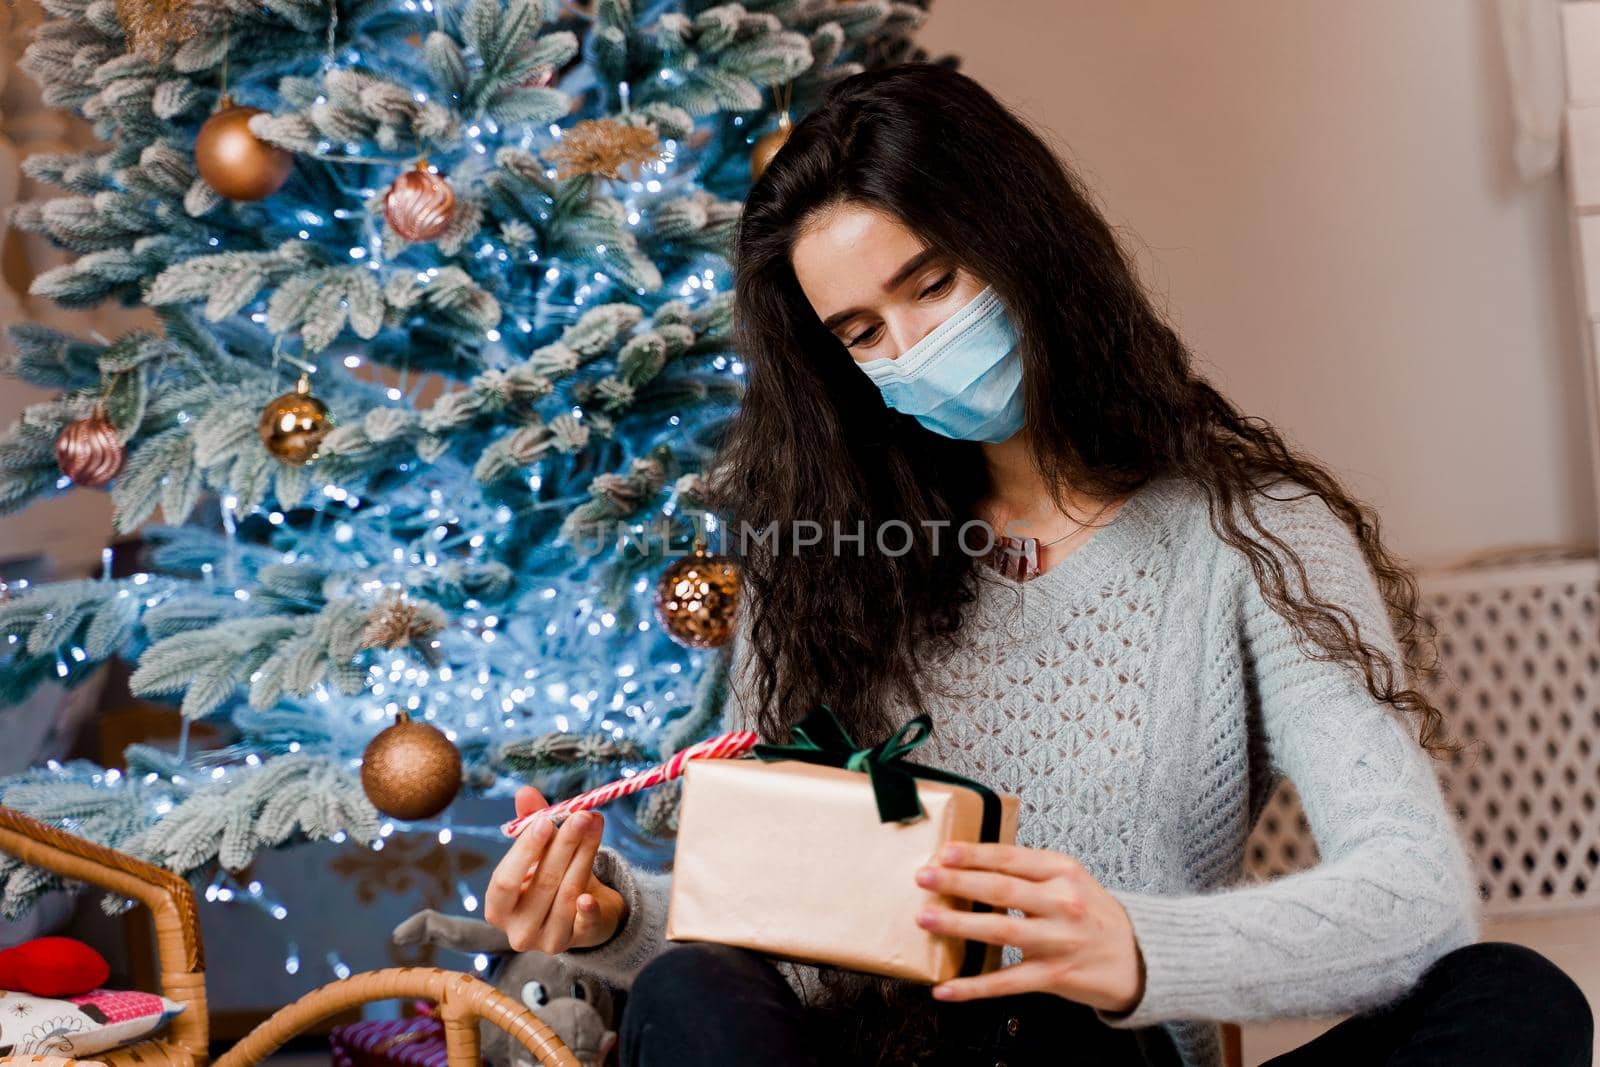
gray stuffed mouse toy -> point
(578, 1007)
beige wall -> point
(1322, 191)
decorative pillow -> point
(77, 1026)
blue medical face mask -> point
(964, 379)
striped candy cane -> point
(723, 746)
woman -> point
(939, 328)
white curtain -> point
(1530, 32)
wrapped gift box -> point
(795, 860)
(414, 1042)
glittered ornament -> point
(698, 597)
(410, 770)
(90, 451)
(420, 204)
(152, 26)
(603, 147)
(767, 146)
(234, 161)
(399, 622)
(293, 425)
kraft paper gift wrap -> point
(795, 860)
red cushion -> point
(52, 967)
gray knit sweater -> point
(1142, 699)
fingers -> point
(999, 890)
(1036, 937)
(1035, 863)
(533, 928)
(507, 881)
(561, 924)
(534, 891)
(529, 799)
(592, 919)
(1024, 977)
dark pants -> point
(1490, 1003)
(704, 1005)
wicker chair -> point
(463, 1000)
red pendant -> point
(1016, 558)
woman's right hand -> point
(544, 893)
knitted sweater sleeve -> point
(1393, 891)
(642, 935)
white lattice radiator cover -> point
(1519, 652)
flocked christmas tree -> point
(443, 351)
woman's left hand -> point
(1075, 937)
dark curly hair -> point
(1111, 395)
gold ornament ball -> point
(419, 205)
(293, 426)
(234, 161)
(767, 146)
(89, 451)
(410, 770)
(697, 599)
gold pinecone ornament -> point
(697, 598)
(411, 770)
(604, 147)
(151, 27)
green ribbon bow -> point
(819, 738)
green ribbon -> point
(819, 738)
